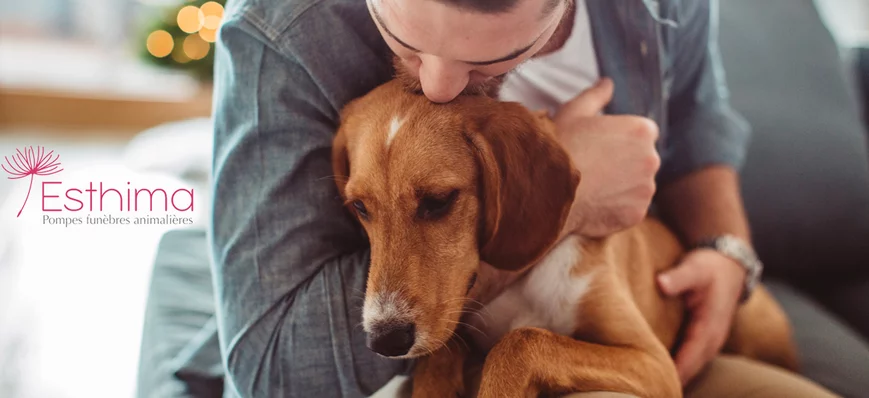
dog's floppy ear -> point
(528, 183)
(340, 160)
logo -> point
(82, 200)
(31, 163)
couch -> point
(805, 185)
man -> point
(290, 266)
(455, 46)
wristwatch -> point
(741, 252)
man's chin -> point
(490, 87)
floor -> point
(72, 297)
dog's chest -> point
(547, 297)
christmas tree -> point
(183, 36)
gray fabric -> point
(806, 178)
(861, 72)
(832, 354)
(849, 299)
(180, 355)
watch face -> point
(734, 248)
(742, 253)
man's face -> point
(449, 49)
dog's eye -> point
(433, 207)
(471, 283)
(360, 208)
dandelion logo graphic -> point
(31, 163)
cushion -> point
(806, 179)
(862, 77)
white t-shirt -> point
(548, 81)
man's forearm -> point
(704, 204)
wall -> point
(848, 20)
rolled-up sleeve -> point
(289, 264)
(702, 128)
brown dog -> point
(440, 187)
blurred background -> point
(121, 89)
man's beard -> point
(489, 87)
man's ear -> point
(528, 184)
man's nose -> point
(442, 81)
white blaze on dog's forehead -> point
(394, 126)
(385, 308)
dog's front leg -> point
(441, 374)
(528, 362)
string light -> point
(211, 22)
(195, 47)
(212, 13)
(200, 23)
(179, 56)
(209, 35)
(190, 19)
(160, 43)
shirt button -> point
(644, 48)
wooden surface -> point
(76, 112)
(78, 87)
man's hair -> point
(497, 6)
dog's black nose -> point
(392, 340)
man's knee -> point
(731, 376)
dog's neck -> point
(492, 281)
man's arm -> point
(704, 148)
(289, 265)
(706, 203)
(706, 140)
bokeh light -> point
(195, 47)
(212, 9)
(179, 56)
(190, 19)
(212, 22)
(209, 35)
(210, 15)
(160, 43)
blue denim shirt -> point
(289, 264)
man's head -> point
(450, 46)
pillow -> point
(806, 179)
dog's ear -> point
(340, 159)
(528, 184)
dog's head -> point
(438, 188)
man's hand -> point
(617, 158)
(711, 284)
